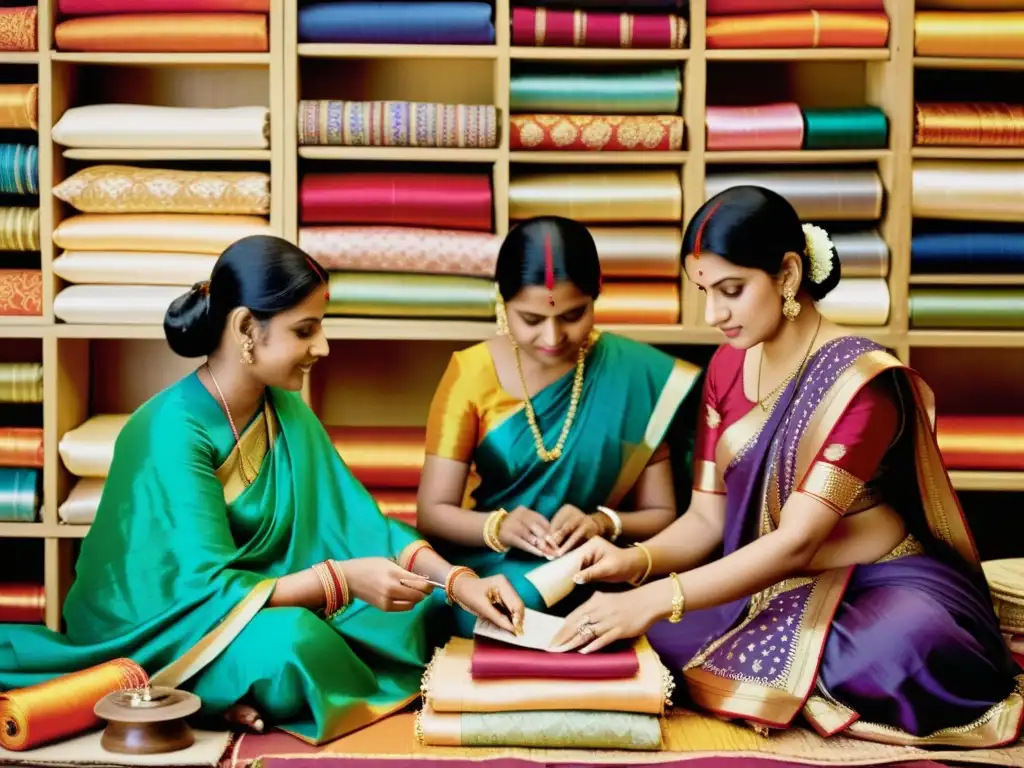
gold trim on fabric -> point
(253, 446)
(739, 437)
(359, 717)
(706, 477)
(678, 386)
(832, 485)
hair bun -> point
(187, 323)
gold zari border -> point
(248, 454)
(832, 486)
(706, 477)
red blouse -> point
(849, 459)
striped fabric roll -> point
(19, 169)
(19, 229)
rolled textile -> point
(397, 124)
(79, 508)
(373, 294)
(19, 106)
(596, 29)
(497, 661)
(441, 200)
(21, 383)
(722, 7)
(128, 189)
(982, 443)
(642, 92)
(862, 254)
(21, 447)
(987, 251)
(19, 169)
(185, 232)
(400, 504)
(847, 195)
(1006, 584)
(645, 5)
(133, 267)
(967, 308)
(88, 449)
(165, 33)
(143, 126)
(638, 303)
(63, 706)
(799, 29)
(21, 292)
(645, 252)
(596, 133)
(862, 301)
(18, 28)
(598, 197)
(19, 229)
(19, 494)
(401, 249)
(22, 603)
(977, 191)
(968, 124)
(846, 128)
(964, 34)
(115, 304)
(382, 458)
(769, 126)
(448, 686)
(426, 23)
(99, 7)
(570, 729)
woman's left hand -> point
(487, 597)
(570, 527)
(605, 618)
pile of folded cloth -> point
(486, 693)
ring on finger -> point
(493, 596)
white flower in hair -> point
(819, 252)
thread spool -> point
(147, 721)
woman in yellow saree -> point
(552, 433)
(233, 552)
(849, 590)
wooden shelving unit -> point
(91, 369)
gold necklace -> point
(246, 480)
(793, 374)
(574, 400)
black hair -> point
(755, 227)
(523, 256)
(265, 274)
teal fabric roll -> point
(638, 92)
(19, 169)
(19, 495)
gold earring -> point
(501, 317)
(790, 307)
(247, 345)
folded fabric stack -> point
(164, 26)
(144, 235)
(594, 110)
(480, 694)
(634, 218)
(448, 22)
(788, 126)
(969, 28)
(21, 447)
(19, 25)
(1006, 584)
(569, 23)
(797, 24)
(413, 245)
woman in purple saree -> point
(847, 588)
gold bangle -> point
(650, 565)
(678, 600)
(345, 599)
(491, 528)
(615, 520)
(449, 582)
(327, 584)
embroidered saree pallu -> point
(397, 124)
(596, 29)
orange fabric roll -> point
(400, 504)
(21, 447)
(639, 303)
(62, 707)
(969, 124)
(18, 28)
(19, 106)
(983, 35)
(382, 457)
(166, 33)
(22, 604)
(21, 292)
(799, 29)
(982, 443)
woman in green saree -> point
(552, 433)
(233, 552)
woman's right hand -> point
(383, 583)
(527, 530)
(603, 561)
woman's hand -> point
(571, 526)
(384, 584)
(527, 530)
(605, 618)
(600, 560)
(486, 597)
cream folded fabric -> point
(207, 233)
(144, 126)
(88, 449)
(133, 267)
(115, 304)
(860, 301)
(79, 508)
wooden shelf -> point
(799, 156)
(967, 153)
(950, 62)
(165, 59)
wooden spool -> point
(147, 721)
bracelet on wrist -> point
(335, 586)
(449, 582)
(678, 600)
(492, 527)
(636, 582)
(615, 520)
